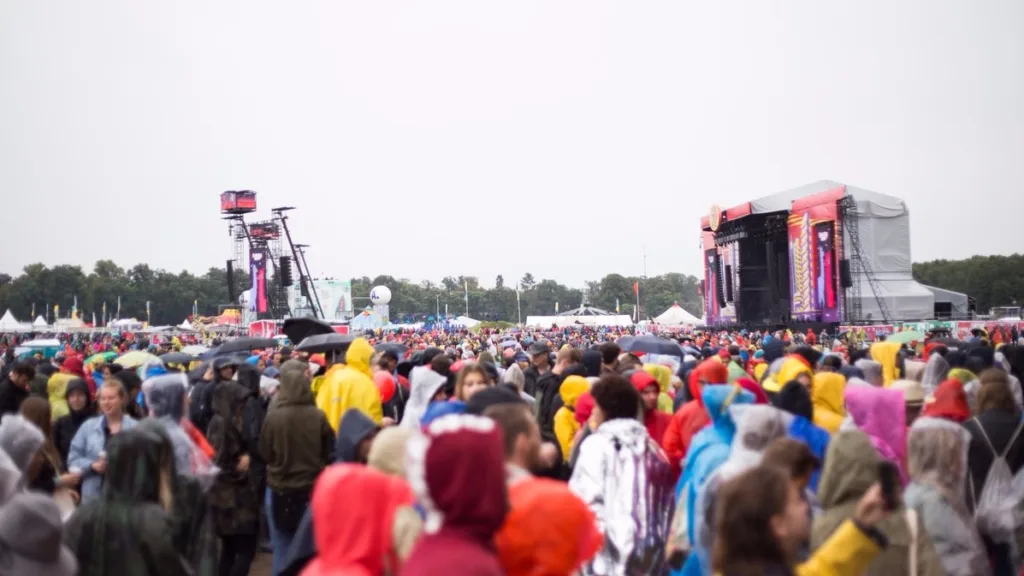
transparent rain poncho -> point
(166, 397)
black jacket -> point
(11, 397)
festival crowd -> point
(528, 453)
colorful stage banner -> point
(258, 285)
(801, 268)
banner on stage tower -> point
(258, 284)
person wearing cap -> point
(540, 364)
(913, 397)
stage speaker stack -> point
(728, 283)
(285, 266)
(231, 281)
(719, 284)
(845, 274)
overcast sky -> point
(485, 137)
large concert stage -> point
(824, 253)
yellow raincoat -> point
(350, 385)
(791, 368)
(827, 398)
(663, 375)
(885, 353)
(848, 552)
(56, 390)
(566, 425)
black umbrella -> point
(398, 349)
(245, 345)
(298, 329)
(319, 343)
(176, 358)
(650, 344)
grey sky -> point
(497, 137)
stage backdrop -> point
(813, 269)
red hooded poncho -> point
(457, 469)
(655, 420)
(357, 542)
(949, 402)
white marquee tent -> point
(8, 323)
(677, 316)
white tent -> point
(677, 316)
(563, 321)
(186, 325)
(8, 323)
(40, 322)
(465, 321)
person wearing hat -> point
(913, 397)
(540, 364)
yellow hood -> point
(885, 353)
(572, 388)
(791, 368)
(358, 356)
(827, 392)
(663, 374)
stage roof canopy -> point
(958, 301)
(783, 201)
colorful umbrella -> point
(101, 358)
(135, 359)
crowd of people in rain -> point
(521, 453)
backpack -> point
(997, 509)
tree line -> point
(990, 280)
(171, 296)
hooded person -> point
(873, 372)
(938, 463)
(548, 531)
(850, 469)
(655, 421)
(949, 401)
(81, 408)
(756, 426)
(425, 388)
(125, 532)
(887, 354)
(881, 414)
(457, 470)
(663, 375)
(708, 450)
(827, 398)
(689, 419)
(350, 385)
(566, 425)
(795, 399)
(56, 390)
(191, 525)
(31, 537)
(233, 499)
(165, 396)
(357, 542)
(355, 437)
(387, 454)
(297, 442)
(592, 363)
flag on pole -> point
(33, 311)
(118, 307)
(104, 312)
(147, 311)
(517, 291)
(617, 310)
(94, 319)
(56, 311)
(636, 287)
(556, 307)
